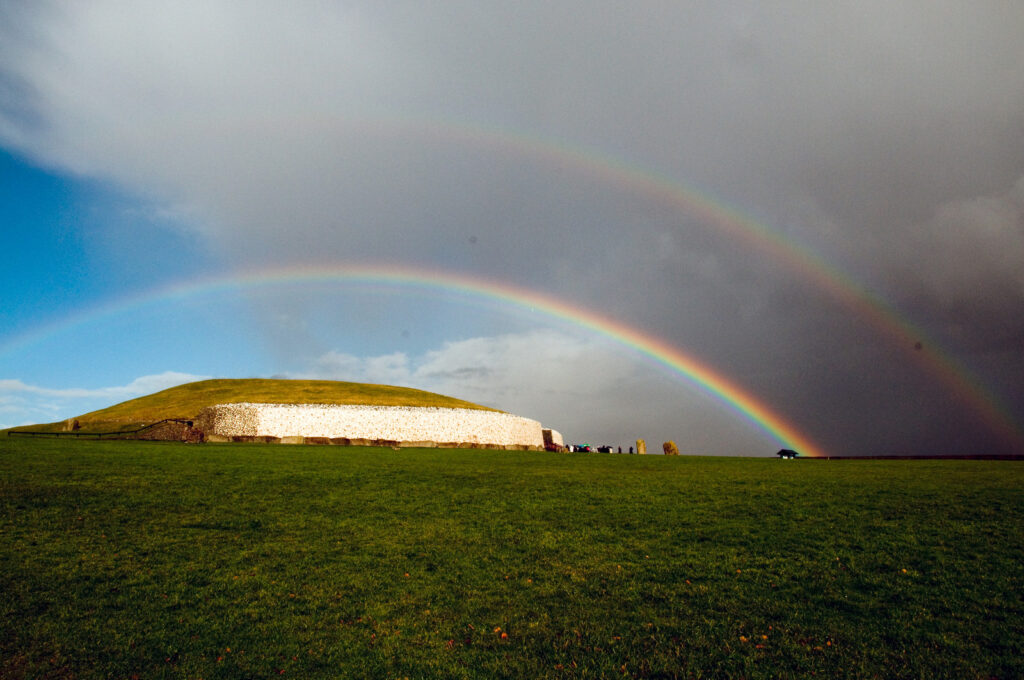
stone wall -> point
(374, 423)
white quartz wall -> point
(396, 423)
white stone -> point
(394, 423)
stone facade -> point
(378, 424)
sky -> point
(734, 225)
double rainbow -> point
(916, 345)
(643, 344)
(869, 308)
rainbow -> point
(871, 309)
(646, 345)
(709, 212)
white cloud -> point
(491, 369)
(584, 388)
(390, 369)
(146, 384)
(25, 404)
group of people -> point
(587, 448)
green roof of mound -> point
(186, 401)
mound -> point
(187, 401)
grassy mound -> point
(186, 401)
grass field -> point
(160, 560)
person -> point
(631, 449)
(620, 449)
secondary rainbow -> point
(647, 345)
(870, 308)
(917, 347)
(866, 306)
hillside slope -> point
(186, 401)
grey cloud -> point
(991, 228)
(462, 373)
(964, 268)
(882, 136)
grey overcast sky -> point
(823, 202)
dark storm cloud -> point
(884, 137)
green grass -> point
(160, 560)
(186, 401)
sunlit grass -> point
(238, 561)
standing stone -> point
(670, 449)
(641, 446)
